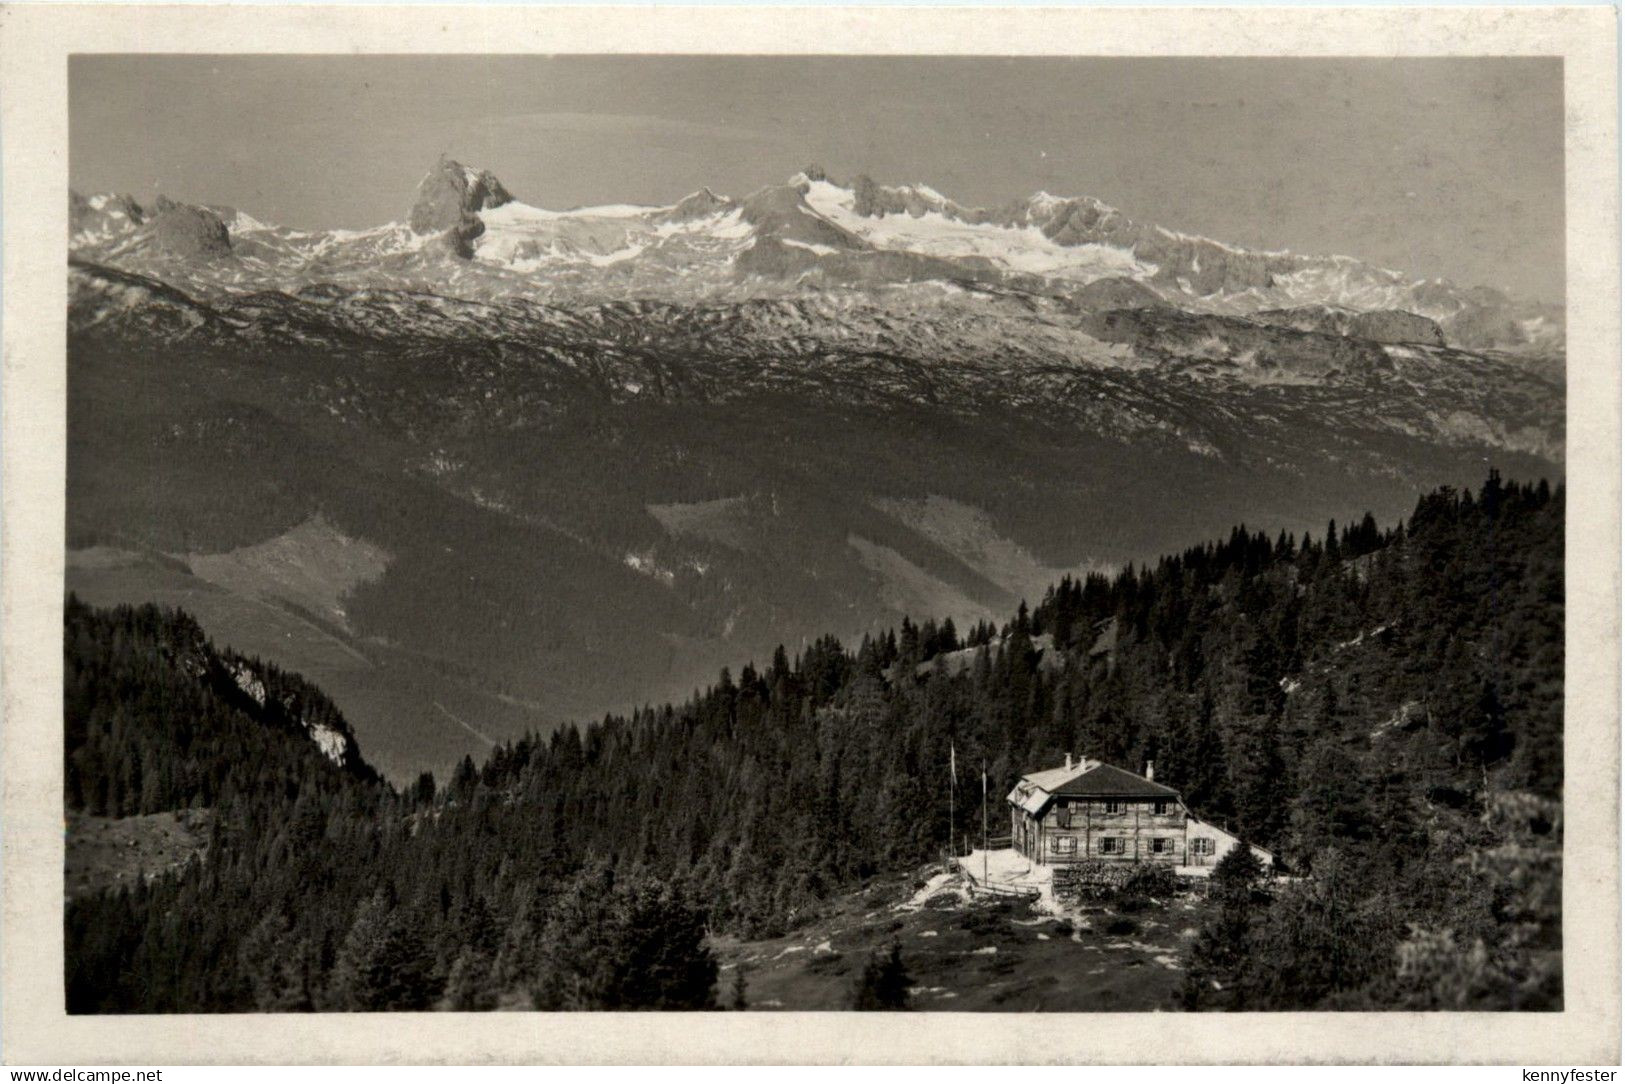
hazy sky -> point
(1435, 167)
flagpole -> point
(984, 822)
(952, 850)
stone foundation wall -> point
(1092, 878)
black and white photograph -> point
(975, 534)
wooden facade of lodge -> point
(1094, 811)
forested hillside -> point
(157, 719)
(1382, 708)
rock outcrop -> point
(189, 232)
(449, 201)
(697, 205)
(1382, 326)
(780, 213)
(1116, 293)
(871, 200)
(102, 217)
(450, 193)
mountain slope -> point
(126, 754)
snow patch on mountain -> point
(821, 250)
(530, 239)
(729, 225)
(1022, 249)
(244, 223)
(614, 210)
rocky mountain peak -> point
(104, 203)
(870, 200)
(103, 215)
(697, 205)
(450, 193)
(181, 229)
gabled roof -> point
(1031, 799)
(1105, 781)
(1052, 778)
(1088, 779)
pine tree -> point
(884, 983)
(623, 943)
(383, 965)
(1221, 954)
(273, 965)
(470, 985)
(1333, 807)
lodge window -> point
(1063, 844)
(1161, 845)
(1201, 846)
(1063, 815)
(1114, 807)
(1159, 808)
(1111, 846)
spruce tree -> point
(884, 983)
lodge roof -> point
(1105, 781)
(1052, 778)
(1088, 779)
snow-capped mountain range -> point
(466, 236)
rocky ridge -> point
(1119, 372)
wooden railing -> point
(970, 843)
(992, 888)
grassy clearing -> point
(971, 955)
(314, 566)
(115, 852)
(909, 589)
(726, 520)
(968, 533)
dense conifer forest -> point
(1381, 707)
